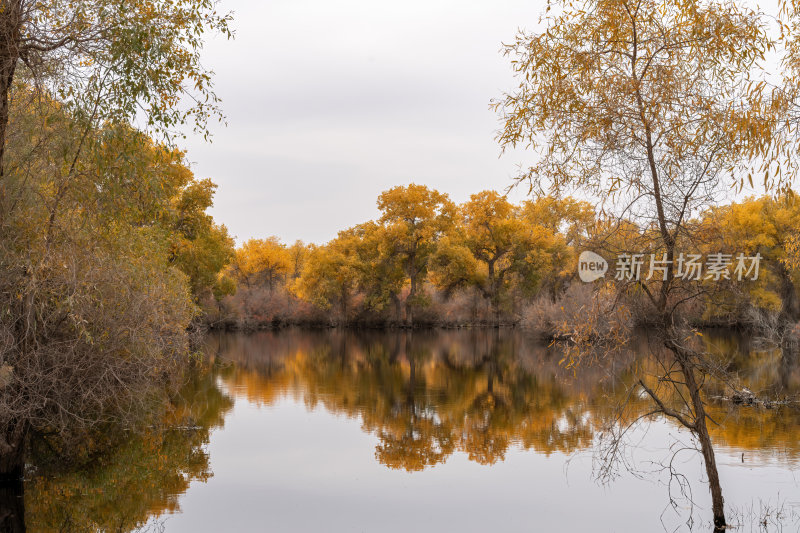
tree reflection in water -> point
(425, 395)
(122, 490)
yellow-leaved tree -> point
(766, 227)
(414, 217)
(495, 249)
(330, 276)
(262, 261)
(647, 106)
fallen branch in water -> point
(746, 397)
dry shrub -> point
(93, 337)
(461, 308)
(584, 313)
(259, 307)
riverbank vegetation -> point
(489, 261)
(105, 243)
(104, 260)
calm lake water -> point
(470, 430)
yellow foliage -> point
(261, 261)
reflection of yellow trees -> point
(763, 432)
(423, 395)
(143, 478)
(413, 440)
(428, 394)
(769, 373)
(505, 402)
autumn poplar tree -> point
(330, 276)
(414, 217)
(495, 249)
(262, 261)
(574, 221)
(766, 226)
(650, 107)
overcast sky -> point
(330, 102)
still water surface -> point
(477, 430)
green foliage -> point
(115, 60)
(104, 239)
(200, 248)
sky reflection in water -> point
(450, 431)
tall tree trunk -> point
(12, 464)
(10, 31)
(344, 298)
(494, 307)
(410, 300)
(790, 306)
(474, 307)
(12, 452)
(12, 507)
(700, 429)
(717, 502)
(398, 307)
(672, 340)
(493, 290)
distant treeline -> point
(427, 261)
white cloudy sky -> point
(330, 102)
